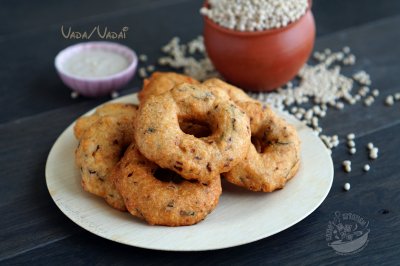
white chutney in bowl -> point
(96, 68)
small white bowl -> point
(96, 86)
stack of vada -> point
(163, 161)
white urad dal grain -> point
(74, 94)
(143, 58)
(254, 15)
(150, 68)
(183, 56)
(114, 94)
(389, 101)
(142, 72)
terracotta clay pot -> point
(261, 60)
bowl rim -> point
(254, 33)
(132, 57)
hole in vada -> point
(197, 128)
(257, 144)
(166, 175)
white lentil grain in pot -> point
(256, 15)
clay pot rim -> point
(255, 33)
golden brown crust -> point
(160, 82)
(160, 139)
(272, 160)
(162, 202)
(112, 109)
(276, 158)
(101, 146)
(237, 95)
(250, 106)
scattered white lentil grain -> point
(143, 57)
(163, 61)
(370, 145)
(74, 94)
(362, 77)
(340, 105)
(299, 115)
(177, 57)
(373, 153)
(319, 56)
(335, 143)
(196, 45)
(349, 60)
(327, 51)
(389, 100)
(375, 93)
(397, 96)
(150, 68)
(351, 136)
(366, 167)
(114, 94)
(316, 109)
(346, 49)
(353, 151)
(351, 143)
(346, 163)
(352, 101)
(369, 100)
(347, 168)
(142, 72)
(309, 115)
(314, 122)
(363, 91)
(339, 56)
(346, 186)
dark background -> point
(36, 107)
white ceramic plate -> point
(241, 216)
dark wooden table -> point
(36, 107)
